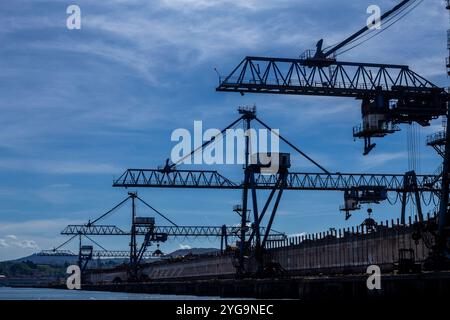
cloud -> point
(60, 185)
(202, 5)
(58, 167)
(185, 246)
(34, 227)
(429, 67)
(381, 159)
(13, 241)
(3, 243)
(175, 35)
(300, 163)
(296, 235)
(21, 238)
(28, 244)
(134, 59)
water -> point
(7, 293)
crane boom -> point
(155, 178)
(390, 94)
(365, 29)
(170, 231)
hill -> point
(195, 251)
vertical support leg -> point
(444, 220)
(224, 239)
(266, 206)
(404, 199)
(274, 210)
(419, 206)
(256, 228)
(133, 245)
(80, 262)
(242, 246)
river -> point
(7, 293)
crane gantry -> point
(357, 188)
(152, 233)
(390, 95)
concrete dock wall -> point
(350, 249)
(208, 266)
(106, 276)
(334, 252)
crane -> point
(169, 231)
(359, 188)
(86, 252)
(390, 95)
(208, 179)
(145, 226)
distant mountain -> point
(50, 260)
(62, 260)
(183, 252)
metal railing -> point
(346, 248)
(436, 137)
(387, 127)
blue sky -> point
(80, 106)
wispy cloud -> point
(296, 235)
(3, 243)
(193, 5)
(24, 237)
(57, 167)
(13, 241)
(35, 227)
(381, 159)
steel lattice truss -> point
(345, 181)
(94, 230)
(171, 231)
(64, 253)
(117, 254)
(180, 178)
(343, 79)
(295, 181)
(95, 253)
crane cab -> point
(364, 194)
(376, 122)
(144, 221)
(270, 162)
(86, 250)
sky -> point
(79, 107)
